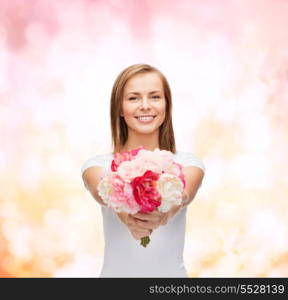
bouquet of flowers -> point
(142, 181)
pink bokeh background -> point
(226, 62)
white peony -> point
(170, 188)
(156, 160)
(105, 189)
(128, 170)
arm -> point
(91, 178)
(193, 176)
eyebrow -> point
(136, 93)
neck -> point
(148, 141)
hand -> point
(138, 231)
(156, 218)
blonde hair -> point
(119, 130)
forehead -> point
(143, 83)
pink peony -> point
(160, 159)
(181, 174)
(123, 156)
(122, 198)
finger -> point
(145, 225)
(141, 233)
(135, 224)
(155, 213)
(151, 213)
(140, 216)
(140, 224)
(146, 217)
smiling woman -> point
(141, 115)
(141, 83)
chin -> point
(143, 130)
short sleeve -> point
(98, 160)
(189, 159)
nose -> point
(145, 103)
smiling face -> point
(143, 95)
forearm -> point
(186, 199)
(91, 185)
(170, 214)
(123, 216)
(97, 197)
(194, 177)
(185, 202)
(173, 211)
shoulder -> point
(189, 159)
(99, 160)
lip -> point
(145, 116)
(145, 121)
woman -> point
(141, 115)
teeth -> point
(145, 118)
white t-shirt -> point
(124, 256)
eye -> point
(156, 97)
(132, 98)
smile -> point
(145, 119)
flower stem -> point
(145, 241)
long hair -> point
(119, 130)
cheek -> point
(127, 110)
(162, 109)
